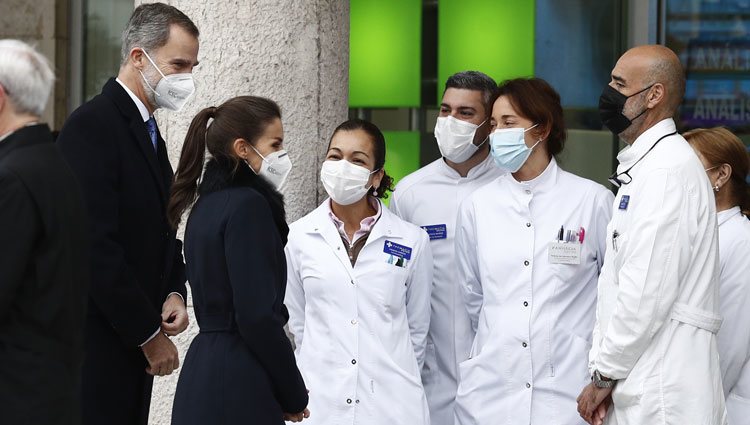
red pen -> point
(581, 235)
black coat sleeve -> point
(19, 227)
(255, 262)
(114, 289)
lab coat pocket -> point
(569, 358)
(389, 286)
(738, 408)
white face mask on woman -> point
(275, 168)
(344, 181)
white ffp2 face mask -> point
(344, 181)
(275, 168)
(455, 138)
(173, 91)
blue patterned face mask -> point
(509, 149)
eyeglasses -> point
(615, 178)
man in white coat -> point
(654, 358)
(430, 198)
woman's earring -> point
(375, 192)
(716, 188)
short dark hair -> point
(536, 100)
(149, 25)
(475, 80)
(378, 148)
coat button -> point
(354, 321)
(528, 192)
(524, 345)
(525, 303)
(526, 263)
(349, 401)
(354, 361)
(356, 401)
(352, 281)
(528, 385)
(528, 224)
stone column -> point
(295, 52)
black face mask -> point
(611, 104)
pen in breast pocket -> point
(561, 233)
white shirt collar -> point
(141, 107)
(724, 216)
(542, 182)
(488, 164)
(645, 141)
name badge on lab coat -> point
(564, 252)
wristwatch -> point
(601, 381)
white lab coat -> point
(430, 197)
(533, 318)
(359, 331)
(658, 292)
(734, 336)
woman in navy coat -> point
(240, 368)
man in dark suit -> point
(43, 253)
(137, 271)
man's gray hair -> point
(26, 76)
(149, 25)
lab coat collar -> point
(724, 216)
(388, 225)
(541, 183)
(643, 143)
(479, 170)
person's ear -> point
(377, 178)
(656, 95)
(724, 174)
(137, 58)
(542, 132)
(3, 98)
(241, 148)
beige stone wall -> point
(42, 23)
(295, 52)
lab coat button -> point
(354, 321)
(356, 401)
(528, 224)
(352, 281)
(525, 303)
(354, 361)
(349, 401)
(524, 345)
(528, 385)
(526, 263)
(528, 192)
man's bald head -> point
(654, 64)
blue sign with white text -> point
(397, 250)
(436, 231)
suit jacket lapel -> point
(129, 110)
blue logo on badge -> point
(624, 202)
(436, 231)
(397, 250)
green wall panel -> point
(492, 36)
(385, 53)
(401, 153)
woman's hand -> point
(297, 417)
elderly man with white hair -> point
(43, 252)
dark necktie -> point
(151, 126)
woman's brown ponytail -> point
(185, 185)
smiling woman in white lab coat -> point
(529, 247)
(727, 165)
(358, 292)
